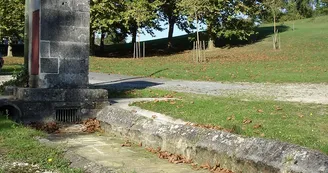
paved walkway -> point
(307, 93)
(108, 152)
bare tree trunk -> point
(92, 42)
(10, 48)
(102, 41)
(134, 35)
(171, 31)
(211, 42)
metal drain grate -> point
(67, 115)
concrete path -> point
(108, 152)
(307, 93)
(124, 103)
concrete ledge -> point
(234, 152)
(60, 95)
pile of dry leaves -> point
(92, 125)
(178, 158)
(51, 127)
(88, 126)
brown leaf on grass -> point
(192, 102)
(260, 111)
(262, 135)
(247, 121)
(169, 96)
(278, 108)
(229, 118)
(257, 126)
(300, 115)
(156, 101)
(172, 102)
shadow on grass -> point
(9, 70)
(182, 43)
(123, 89)
(5, 123)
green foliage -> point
(20, 79)
(224, 18)
(12, 18)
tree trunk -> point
(92, 42)
(102, 41)
(212, 37)
(134, 35)
(10, 49)
(171, 31)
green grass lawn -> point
(303, 58)
(18, 144)
(302, 124)
(12, 65)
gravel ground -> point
(292, 92)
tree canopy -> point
(12, 14)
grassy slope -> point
(302, 124)
(18, 143)
(302, 59)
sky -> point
(159, 34)
(164, 33)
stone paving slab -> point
(107, 152)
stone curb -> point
(86, 165)
(234, 152)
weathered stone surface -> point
(64, 80)
(49, 65)
(65, 37)
(231, 151)
(69, 50)
(61, 95)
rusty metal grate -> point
(67, 115)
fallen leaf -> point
(300, 115)
(154, 116)
(260, 111)
(278, 108)
(247, 121)
(229, 118)
(127, 144)
(257, 126)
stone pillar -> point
(60, 43)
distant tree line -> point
(114, 20)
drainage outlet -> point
(68, 115)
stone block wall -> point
(64, 43)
